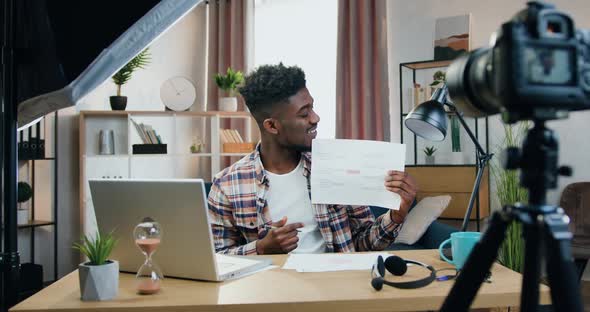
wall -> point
(411, 36)
(181, 51)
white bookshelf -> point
(176, 129)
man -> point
(261, 204)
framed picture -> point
(451, 36)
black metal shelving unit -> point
(34, 223)
(432, 64)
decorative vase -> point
(99, 282)
(228, 104)
(22, 216)
(430, 160)
(118, 102)
(106, 142)
(455, 134)
(456, 158)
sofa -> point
(436, 233)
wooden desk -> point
(280, 290)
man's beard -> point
(301, 148)
(298, 147)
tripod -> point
(545, 231)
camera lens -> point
(470, 85)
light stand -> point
(38, 38)
(9, 255)
(428, 120)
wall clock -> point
(178, 93)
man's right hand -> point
(282, 238)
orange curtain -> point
(362, 86)
(228, 38)
(227, 44)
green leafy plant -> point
(509, 191)
(230, 81)
(438, 77)
(429, 150)
(25, 192)
(124, 74)
(97, 249)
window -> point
(302, 33)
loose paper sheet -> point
(331, 262)
(352, 172)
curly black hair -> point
(269, 86)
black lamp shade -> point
(428, 120)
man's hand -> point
(403, 184)
(282, 238)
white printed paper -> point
(352, 172)
(331, 262)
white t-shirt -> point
(288, 196)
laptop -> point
(180, 206)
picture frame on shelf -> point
(452, 36)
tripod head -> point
(538, 162)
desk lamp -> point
(428, 120)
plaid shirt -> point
(239, 213)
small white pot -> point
(99, 282)
(228, 104)
(430, 160)
(22, 216)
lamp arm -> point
(481, 163)
(482, 160)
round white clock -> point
(178, 93)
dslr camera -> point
(537, 69)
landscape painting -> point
(451, 36)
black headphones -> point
(398, 266)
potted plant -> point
(509, 191)
(119, 102)
(197, 145)
(99, 276)
(229, 83)
(429, 151)
(438, 78)
(25, 192)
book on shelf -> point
(224, 137)
(31, 142)
(140, 131)
(238, 136)
(231, 136)
(235, 135)
(234, 143)
(147, 133)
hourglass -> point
(148, 235)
